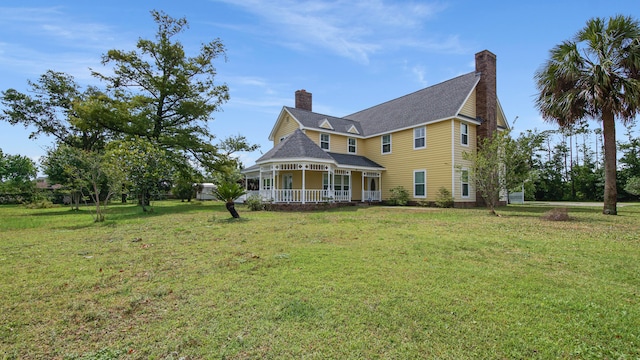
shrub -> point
(41, 204)
(444, 199)
(254, 203)
(399, 196)
(558, 214)
(633, 185)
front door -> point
(287, 181)
(287, 186)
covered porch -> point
(312, 182)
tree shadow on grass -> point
(161, 208)
(118, 211)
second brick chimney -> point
(303, 100)
(486, 94)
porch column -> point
(362, 195)
(260, 183)
(330, 175)
(302, 196)
(273, 183)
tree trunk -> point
(610, 189)
(232, 209)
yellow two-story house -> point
(416, 141)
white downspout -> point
(453, 158)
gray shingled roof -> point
(436, 102)
(354, 160)
(299, 146)
(295, 146)
(312, 120)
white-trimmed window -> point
(420, 137)
(324, 141)
(340, 182)
(386, 143)
(464, 134)
(351, 145)
(419, 183)
(464, 183)
(266, 183)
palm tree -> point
(595, 75)
(229, 191)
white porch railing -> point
(368, 195)
(342, 195)
(312, 196)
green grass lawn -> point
(188, 282)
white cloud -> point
(419, 72)
(354, 29)
(54, 25)
(51, 39)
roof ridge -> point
(316, 113)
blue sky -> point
(349, 54)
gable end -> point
(326, 124)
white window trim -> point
(382, 144)
(462, 126)
(424, 129)
(463, 182)
(355, 145)
(328, 142)
(425, 184)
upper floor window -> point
(386, 144)
(464, 134)
(324, 141)
(351, 145)
(420, 138)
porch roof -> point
(298, 147)
(349, 160)
(295, 146)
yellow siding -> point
(469, 107)
(285, 127)
(403, 160)
(337, 143)
(313, 180)
(315, 136)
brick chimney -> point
(303, 100)
(486, 98)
